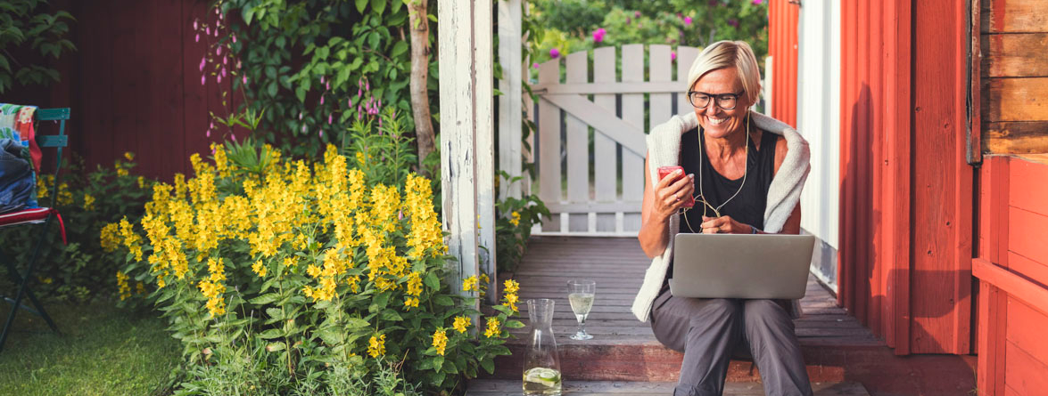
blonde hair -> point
(724, 54)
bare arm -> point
(661, 202)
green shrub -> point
(292, 278)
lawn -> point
(102, 351)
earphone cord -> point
(701, 197)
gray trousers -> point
(708, 331)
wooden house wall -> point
(906, 188)
(134, 84)
(1014, 74)
(1012, 266)
(783, 19)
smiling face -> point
(717, 122)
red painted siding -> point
(782, 46)
(906, 222)
(134, 84)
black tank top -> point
(747, 207)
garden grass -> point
(102, 350)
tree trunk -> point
(419, 27)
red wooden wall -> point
(134, 84)
(1012, 266)
(782, 47)
(906, 189)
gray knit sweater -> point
(783, 195)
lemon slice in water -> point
(541, 375)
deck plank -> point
(617, 388)
(618, 266)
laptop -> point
(763, 266)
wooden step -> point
(610, 388)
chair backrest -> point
(59, 141)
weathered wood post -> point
(466, 133)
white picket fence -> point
(603, 188)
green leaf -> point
(378, 5)
(399, 49)
(361, 4)
(391, 315)
(432, 281)
(488, 365)
(356, 323)
(504, 309)
(379, 302)
(438, 363)
(444, 301)
(248, 13)
(514, 324)
(271, 333)
(331, 335)
(278, 314)
(272, 89)
(265, 299)
(276, 346)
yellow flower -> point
(514, 218)
(511, 301)
(129, 155)
(141, 182)
(511, 286)
(415, 284)
(125, 289)
(140, 288)
(110, 237)
(89, 202)
(121, 172)
(377, 346)
(131, 239)
(440, 341)
(470, 284)
(411, 303)
(259, 269)
(461, 324)
(493, 328)
(46, 281)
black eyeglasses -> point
(725, 101)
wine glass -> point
(580, 295)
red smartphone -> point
(666, 170)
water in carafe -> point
(541, 361)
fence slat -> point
(509, 30)
(661, 104)
(632, 112)
(549, 145)
(578, 147)
(603, 146)
(685, 57)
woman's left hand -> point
(724, 225)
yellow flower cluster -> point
(414, 289)
(131, 239)
(426, 236)
(483, 284)
(377, 346)
(89, 202)
(110, 237)
(470, 283)
(440, 341)
(213, 288)
(493, 328)
(514, 218)
(125, 288)
(510, 294)
(259, 269)
(461, 324)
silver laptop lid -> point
(740, 265)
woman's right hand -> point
(672, 192)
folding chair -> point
(35, 216)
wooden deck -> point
(608, 388)
(625, 349)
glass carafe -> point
(541, 361)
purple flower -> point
(223, 72)
(321, 99)
(218, 51)
(673, 55)
(636, 14)
(225, 60)
(234, 39)
(687, 21)
(349, 102)
(300, 116)
(360, 92)
(234, 136)
(758, 2)
(207, 30)
(628, 20)
(733, 22)
(554, 53)
(219, 79)
(328, 86)
(245, 80)
(331, 118)
(535, 65)
(209, 134)
(195, 25)
(198, 37)
(321, 133)
(203, 61)
(203, 80)
(321, 79)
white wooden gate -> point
(600, 191)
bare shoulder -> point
(780, 151)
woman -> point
(745, 172)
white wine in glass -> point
(580, 295)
